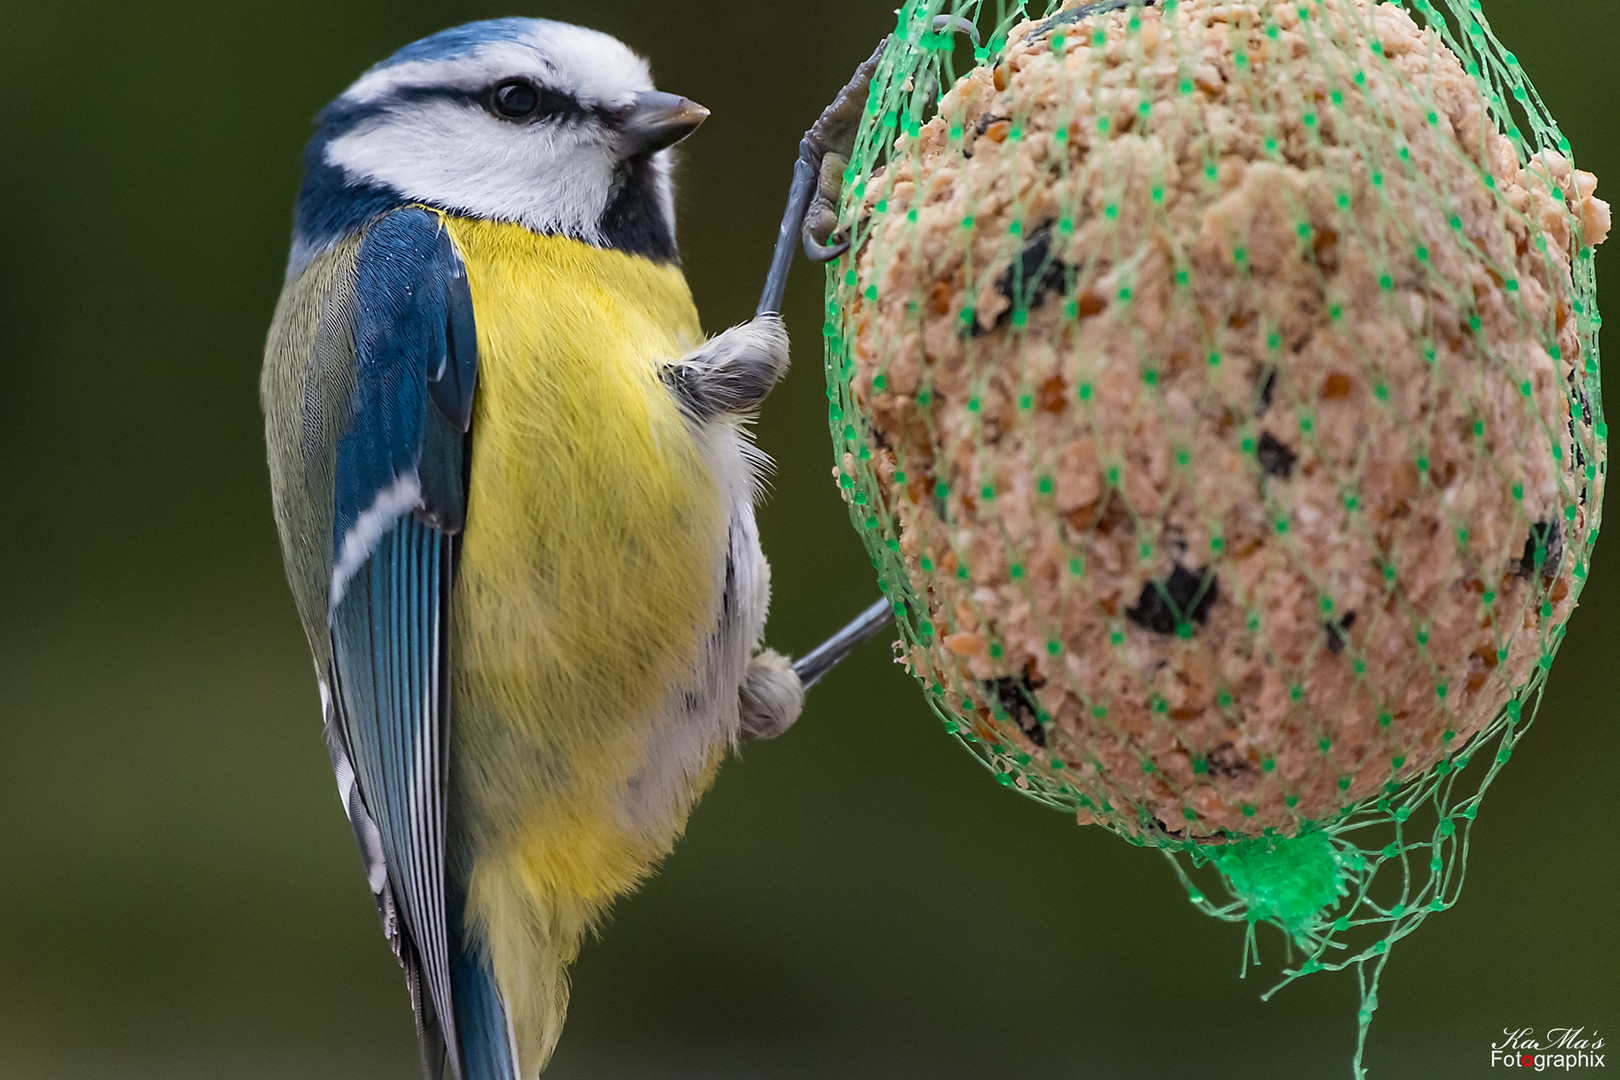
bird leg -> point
(773, 690)
(824, 657)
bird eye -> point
(514, 99)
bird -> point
(515, 490)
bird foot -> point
(811, 217)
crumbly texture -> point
(1225, 394)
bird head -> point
(541, 124)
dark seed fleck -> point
(1185, 594)
(1275, 457)
(1017, 700)
(1226, 762)
(1268, 390)
(1580, 395)
(1580, 468)
(985, 121)
(1547, 541)
(1338, 632)
(1028, 281)
(1167, 830)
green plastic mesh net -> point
(1215, 386)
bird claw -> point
(821, 219)
(1083, 12)
(957, 24)
(818, 176)
(831, 139)
(824, 253)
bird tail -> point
(508, 1017)
(488, 1051)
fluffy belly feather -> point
(590, 568)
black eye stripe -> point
(523, 101)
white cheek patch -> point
(359, 542)
(548, 177)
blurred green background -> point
(179, 892)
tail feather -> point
(487, 1049)
(532, 935)
(519, 927)
(483, 1026)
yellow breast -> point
(587, 579)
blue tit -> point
(515, 496)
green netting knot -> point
(1287, 881)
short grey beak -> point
(657, 120)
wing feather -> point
(387, 636)
(399, 504)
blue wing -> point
(400, 500)
(416, 347)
